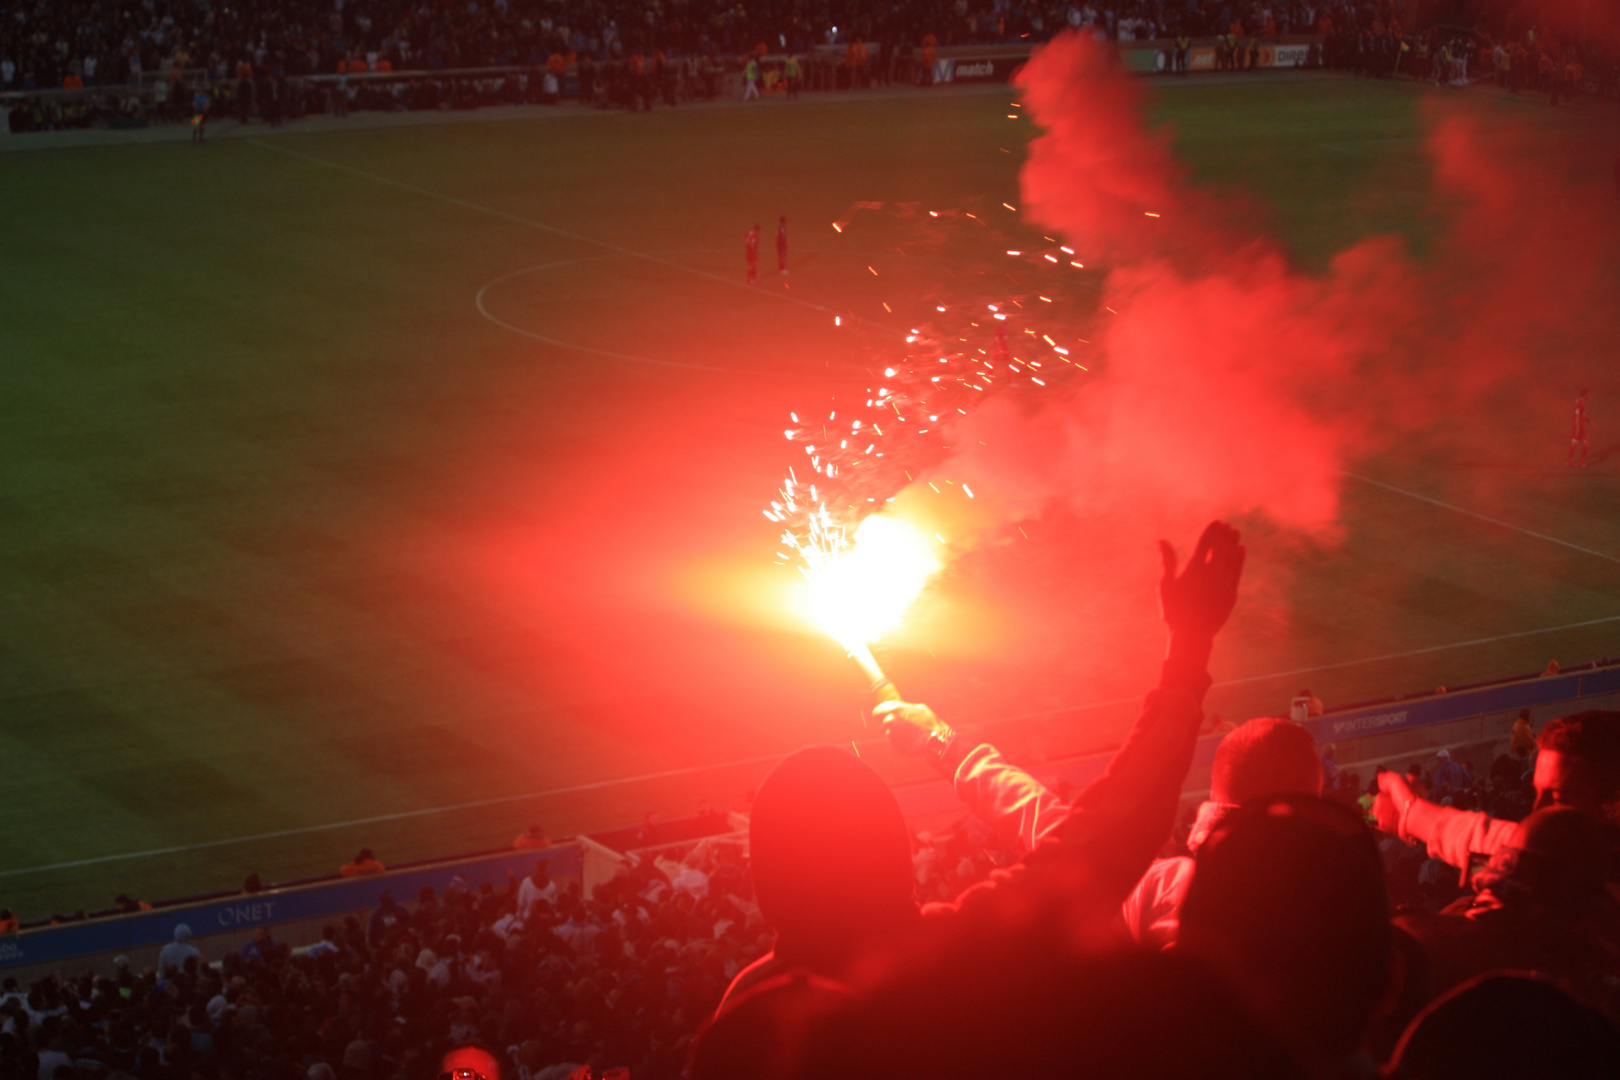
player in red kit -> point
(1578, 430)
(781, 244)
(751, 249)
(1001, 352)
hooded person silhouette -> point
(831, 863)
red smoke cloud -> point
(1230, 382)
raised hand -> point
(1197, 601)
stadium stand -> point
(94, 63)
(49, 43)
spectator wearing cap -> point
(363, 864)
(174, 955)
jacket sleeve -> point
(1459, 834)
(1006, 797)
(1152, 913)
(1118, 823)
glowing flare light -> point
(860, 591)
(864, 563)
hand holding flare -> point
(861, 592)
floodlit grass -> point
(292, 535)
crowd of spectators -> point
(90, 42)
(1454, 919)
(1530, 61)
(624, 977)
(251, 61)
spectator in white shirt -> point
(537, 886)
(52, 1058)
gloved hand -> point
(913, 730)
(1197, 602)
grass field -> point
(315, 531)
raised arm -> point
(1121, 819)
(1450, 835)
(998, 792)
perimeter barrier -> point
(1471, 722)
(220, 923)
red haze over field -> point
(1230, 381)
(1227, 381)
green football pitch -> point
(399, 486)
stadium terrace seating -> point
(60, 62)
(104, 42)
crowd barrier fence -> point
(219, 923)
(1363, 734)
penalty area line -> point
(478, 302)
(1479, 516)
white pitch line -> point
(1424, 651)
(625, 780)
(401, 816)
(478, 302)
(543, 227)
(1321, 667)
(1481, 517)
